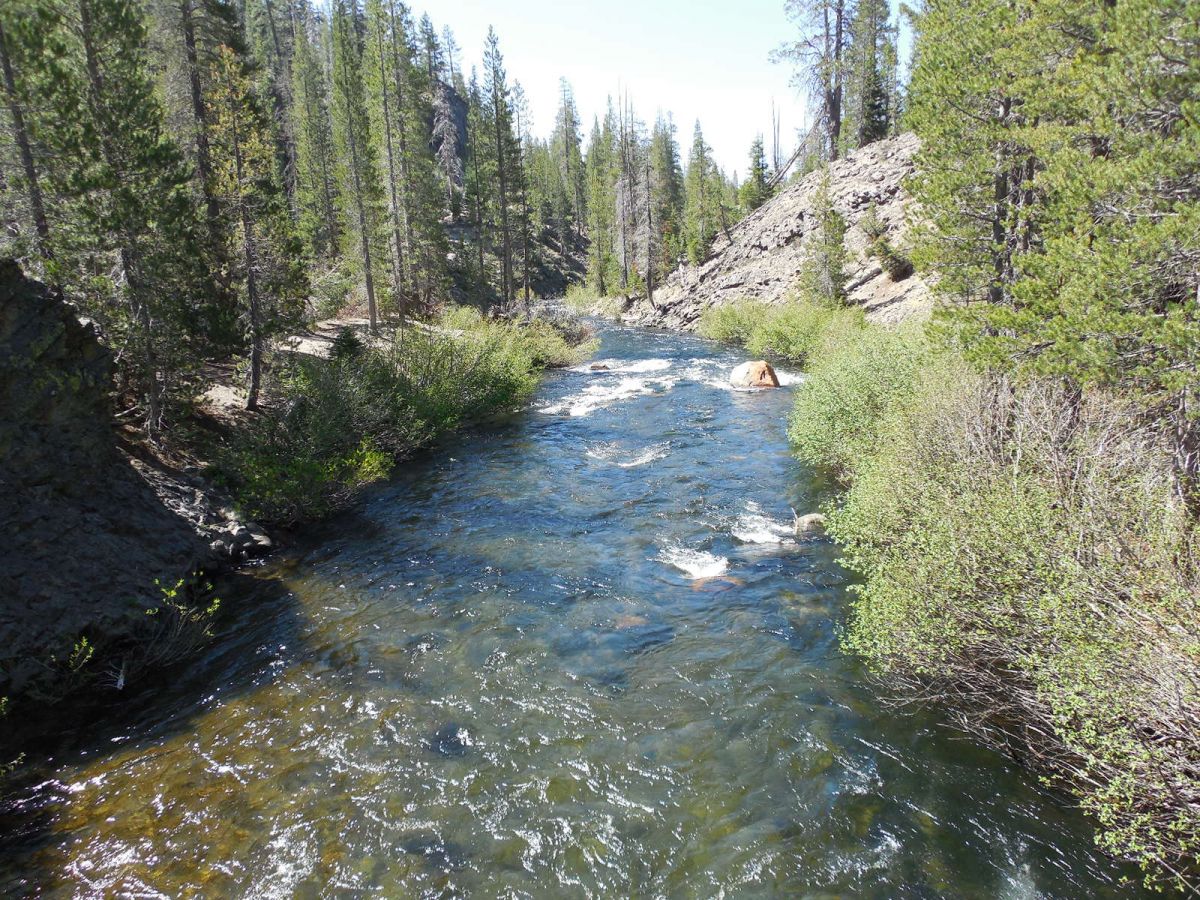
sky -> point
(701, 59)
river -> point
(581, 655)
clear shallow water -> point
(580, 657)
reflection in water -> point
(579, 657)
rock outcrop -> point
(762, 256)
(87, 523)
(757, 374)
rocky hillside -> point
(762, 257)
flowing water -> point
(580, 656)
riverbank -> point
(1026, 563)
(112, 543)
(579, 652)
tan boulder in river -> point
(754, 374)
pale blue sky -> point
(705, 60)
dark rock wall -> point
(83, 532)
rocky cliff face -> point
(762, 257)
(85, 526)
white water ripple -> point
(754, 527)
(605, 392)
(622, 366)
(613, 452)
(695, 563)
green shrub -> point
(794, 331)
(1024, 558)
(732, 323)
(855, 380)
(339, 423)
(584, 299)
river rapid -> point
(580, 655)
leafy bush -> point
(835, 423)
(896, 264)
(793, 331)
(1024, 559)
(732, 323)
(341, 423)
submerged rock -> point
(813, 523)
(451, 739)
(757, 373)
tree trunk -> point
(364, 236)
(252, 298)
(649, 242)
(505, 238)
(398, 258)
(200, 117)
(399, 61)
(24, 146)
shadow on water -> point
(258, 633)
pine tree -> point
(129, 206)
(520, 187)
(477, 192)
(361, 184)
(312, 125)
(451, 51)
(432, 58)
(499, 119)
(701, 213)
(1075, 183)
(821, 57)
(755, 190)
(871, 63)
(269, 38)
(823, 273)
(245, 177)
(566, 148)
(601, 203)
(667, 195)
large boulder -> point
(754, 374)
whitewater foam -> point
(606, 392)
(613, 452)
(695, 563)
(622, 366)
(754, 527)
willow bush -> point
(793, 331)
(836, 420)
(339, 423)
(1026, 561)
